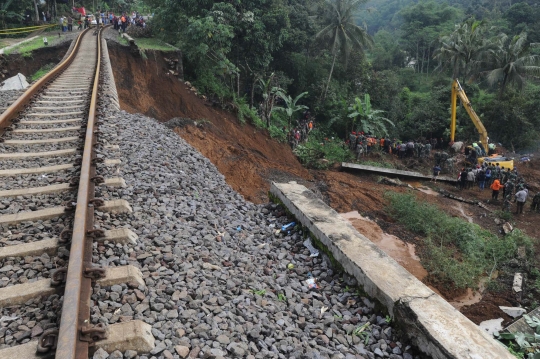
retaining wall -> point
(431, 323)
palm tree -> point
(291, 105)
(512, 62)
(341, 33)
(4, 13)
(465, 49)
(371, 121)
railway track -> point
(50, 159)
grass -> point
(26, 49)
(146, 43)
(41, 72)
(457, 252)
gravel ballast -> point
(222, 280)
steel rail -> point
(19, 105)
(76, 306)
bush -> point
(318, 148)
(207, 83)
(244, 112)
(277, 133)
(457, 252)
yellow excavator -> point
(457, 91)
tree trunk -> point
(252, 99)
(329, 77)
(37, 13)
(417, 55)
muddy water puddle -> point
(402, 252)
(420, 187)
(405, 254)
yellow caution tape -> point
(25, 29)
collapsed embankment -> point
(250, 161)
(245, 155)
(12, 64)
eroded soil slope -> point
(246, 156)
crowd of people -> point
(363, 144)
(497, 178)
(300, 133)
(123, 21)
(485, 176)
(120, 22)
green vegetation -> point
(404, 62)
(151, 43)
(261, 292)
(457, 252)
(41, 72)
(524, 345)
(25, 50)
(321, 152)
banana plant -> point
(370, 120)
(291, 106)
(529, 344)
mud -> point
(402, 252)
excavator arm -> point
(457, 91)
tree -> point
(423, 24)
(512, 61)
(465, 49)
(371, 121)
(341, 33)
(291, 105)
(4, 13)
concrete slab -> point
(49, 246)
(121, 235)
(17, 82)
(46, 130)
(40, 142)
(112, 162)
(135, 335)
(21, 293)
(517, 284)
(51, 122)
(23, 155)
(42, 214)
(56, 188)
(492, 326)
(431, 323)
(55, 114)
(514, 312)
(391, 171)
(116, 206)
(521, 326)
(24, 351)
(120, 275)
(35, 170)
